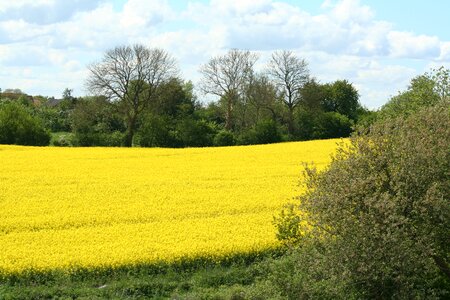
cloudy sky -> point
(378, 45)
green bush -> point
(196, 133)
(95, 122)
(378, 218)
(322, 125)
(247, 137)
(18, 126)
(155, 131)
(332, 125)
(88, 138)
(63, 141)
(267, 132)
(224, 138)
(115, 139)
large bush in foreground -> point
(18, 126)
(378, 218)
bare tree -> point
(131, 75)
(226, 76)
(289, 73)
(262, 95)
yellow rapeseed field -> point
(66, 208)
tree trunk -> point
(228, 115)
(291, 120)
(130, 132)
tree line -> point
(137, 98)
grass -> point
(237, 278)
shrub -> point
(95, 122)
(196, 133)
(224, 138)
(332, 125)
(63, 141)
(379, 216)
(88, 138)
(155, 132)
(18, 126)
(267, 132)
(115, 139)
(247, 137)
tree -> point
(424, 91)
(67, 94)
(289, 74)
(375, 224)
(313, 94)
(226, 76)
(343, 98)
(267, 131)
(441, 78)
(157, 131)
(13, 91)
(262, 96)
(173, 98)
(131, 75)
(95, 122)
(19, 126)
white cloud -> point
(44, 11)
(241, 7)
(279, 25)
(143, 13)
(445, 52)
(351, 12)
(19, 30)
(409, 45)
(23, 55)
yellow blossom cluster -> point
(64, 208)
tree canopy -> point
(131, 75)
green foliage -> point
(264, 132)
(237, 278)
(288, 226)
(267, 131)
(343, 98)
(379, 217)
(333, 125)
(224, 138)
(196, 133)
(328, 110)
(313, 95)
(420, 93)
(174, 98)
(247, 137)
(95, 122)
(441, 78)
(61, 139)
(56, 119)
(307, 123)
(156, 131)
(18, 126)
(322, 125)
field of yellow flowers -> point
(69, 208)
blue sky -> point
(45, 45)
